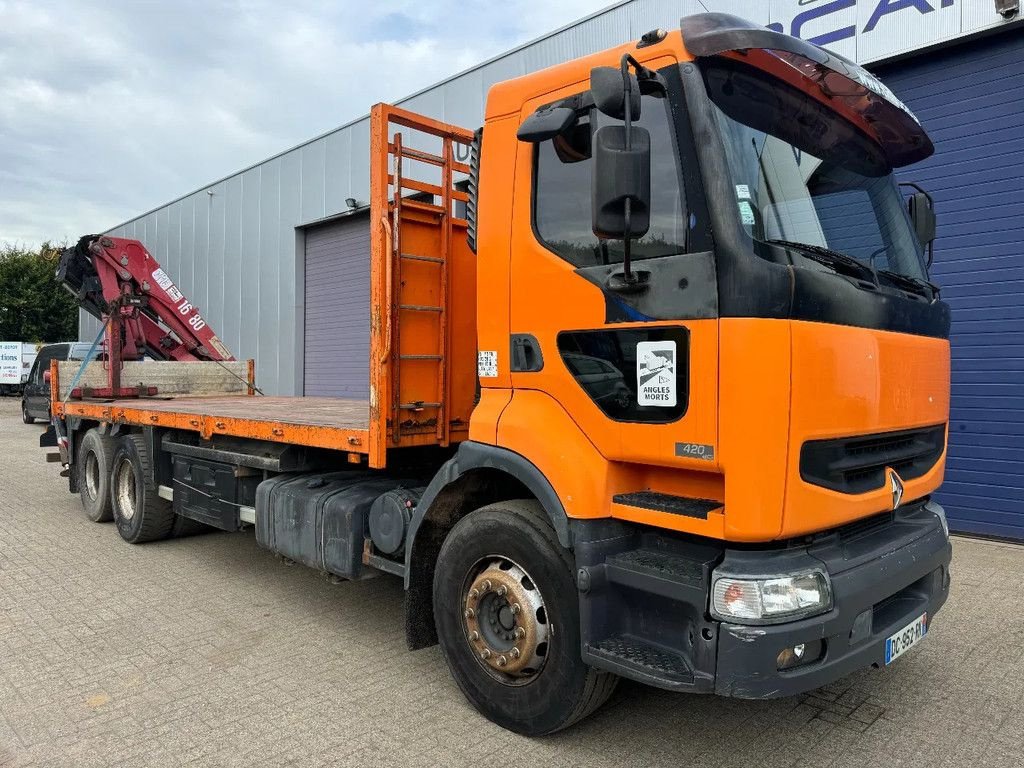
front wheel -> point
(24, 414)
(507, 616)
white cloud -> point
(109, 109)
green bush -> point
(34, 307)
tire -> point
(141, 515)
(93, 463)
(512, 544)
(24, 414)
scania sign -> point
(871, 30)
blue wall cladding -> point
(969, 100)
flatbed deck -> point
(321, 422)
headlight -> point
(771, 599)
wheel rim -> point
(92, 475)
(505, 620)
(124, 482)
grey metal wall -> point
(233, 246)
(337, 319)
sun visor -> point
(844, 86)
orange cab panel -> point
(855, 382)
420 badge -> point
(656, 373)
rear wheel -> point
(93, 463)
(507, 615)
(24, 414)
(141, 515)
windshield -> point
(804, 175)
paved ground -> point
(212, 651)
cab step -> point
(657, 572)
(642, 660)
(663, 502)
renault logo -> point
(896, 486)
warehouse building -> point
(271, 253)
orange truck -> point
(666, 403)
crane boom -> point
(119, 282)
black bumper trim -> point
(644, 603)
(892, 589)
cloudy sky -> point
(112, 107)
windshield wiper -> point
(828, 257)
(910, 281)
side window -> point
(58, 352)
(611, 367)
(42, 364)
(562, 203)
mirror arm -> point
(627, 85)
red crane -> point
(144, 313)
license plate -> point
(906, 638)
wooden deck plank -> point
(336, 412)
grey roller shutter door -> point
(337, 317)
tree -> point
(34, 307)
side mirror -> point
(606, 88)
(922, 215)
(546, 123)
(621, 175)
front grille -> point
(857, 464)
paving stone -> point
(211, 651)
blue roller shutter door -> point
(969, 99)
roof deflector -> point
(846, 87)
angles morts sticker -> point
(656, 373)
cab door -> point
(636, 369)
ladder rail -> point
(414, 281)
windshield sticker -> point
(746, 213)
(487, 365)
(742, 192)
(656, 373)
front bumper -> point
(644, 603)
(881, 581)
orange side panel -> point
(538, 428)
(497, 171)
(509, 96)
(483, 427)
(754, 391)
(535, 426)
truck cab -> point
(754, 518)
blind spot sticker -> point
(487, 365)
(656, 373)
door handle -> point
(526, 355)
